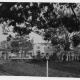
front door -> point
(38, 54)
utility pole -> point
(47, 67)
(47, 58)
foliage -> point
(58, 36)
(49, 16)
(76, 39)
(21, 43)
(42, 15)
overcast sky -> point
(3, 37)
(37, 38)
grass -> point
(56, 69)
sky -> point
(36, 38)
(2, 36)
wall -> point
(38, 47)
(43, 48)
(49, 49)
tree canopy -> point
(21, 43)
(24, 16)
(48, 16)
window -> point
(38, 47)
(42, 53)
(30, 53)
(38, 53)
(48, 47)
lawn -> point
(56, 69)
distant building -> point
(40, 46)
(42, 49)
(4, 49)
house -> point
(4, 52)
(42, 49)
(40, 46)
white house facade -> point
(40, 46)
(42, 49)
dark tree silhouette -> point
(42, 15)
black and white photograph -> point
(40, 39)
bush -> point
(53, 57)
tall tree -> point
(21, 43)
(57, 36)
(42, 15)
(24, 16)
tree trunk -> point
(22, 54)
